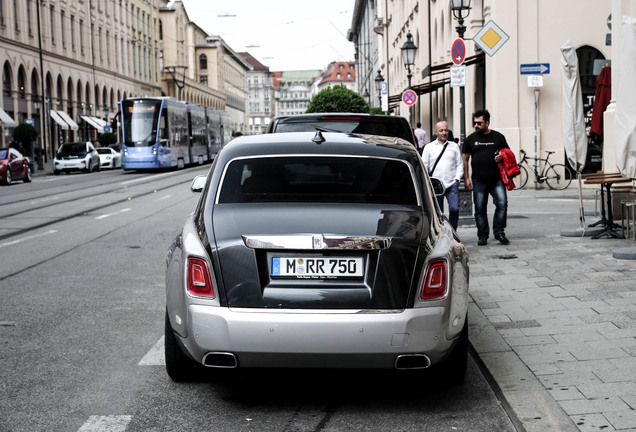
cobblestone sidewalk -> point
(553, 318)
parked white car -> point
(109, 158)
(76, 156)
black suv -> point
(366, 124)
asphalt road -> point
(82, 306)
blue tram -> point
(161, 132)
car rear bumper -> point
(337, 339)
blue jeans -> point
(452, 196)
(495, 188)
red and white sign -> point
(409, 97)
(458, 51)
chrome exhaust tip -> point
(220, 360)
(412, 361)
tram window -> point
(163, 129)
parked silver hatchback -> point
(312, 250)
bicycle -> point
(556, 176)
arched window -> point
(59, 92)
(80, 99)
(21, 83)
(87, 98)
(35, 82)
(69, 96)
(203, 62)
(6, 80)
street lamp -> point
(408, 55)
(408, 58)
(106, 109)
(379, 79)
(459, 8)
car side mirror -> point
(198, 183)
(438, 186)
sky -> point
(281, 34)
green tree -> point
(338, 99)
(25, 134)
(107, 139)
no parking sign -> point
(458, 51)
(409, 97)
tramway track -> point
(84, 211)
(81, 187)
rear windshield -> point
(384, 126)
(318, 179)
(104, 151)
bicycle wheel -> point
(522, 178)
(558, 176)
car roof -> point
(400, 124)
(331, 115)
(326, 143)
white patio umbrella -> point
(625, 117)
(574, 139)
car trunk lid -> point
(318, 256)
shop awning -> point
(93, 122)
(6, 119)
(55, 116)
(68, 120)
(99, 121)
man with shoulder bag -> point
(443, 160)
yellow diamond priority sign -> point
(490, 38)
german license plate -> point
(318, 267)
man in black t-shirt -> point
(481, 148)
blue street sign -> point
(534, 68)
(107, 128)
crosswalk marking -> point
(119, 423)
(154, 357)
(116, 423)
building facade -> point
(260, 99)
(187, 59)
(69, 59)
(338, 73)
(293, 90)
(66, 64)
(366, 34)
(536, 30)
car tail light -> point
(199, 280)
(435, 283)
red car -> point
(14, 166)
